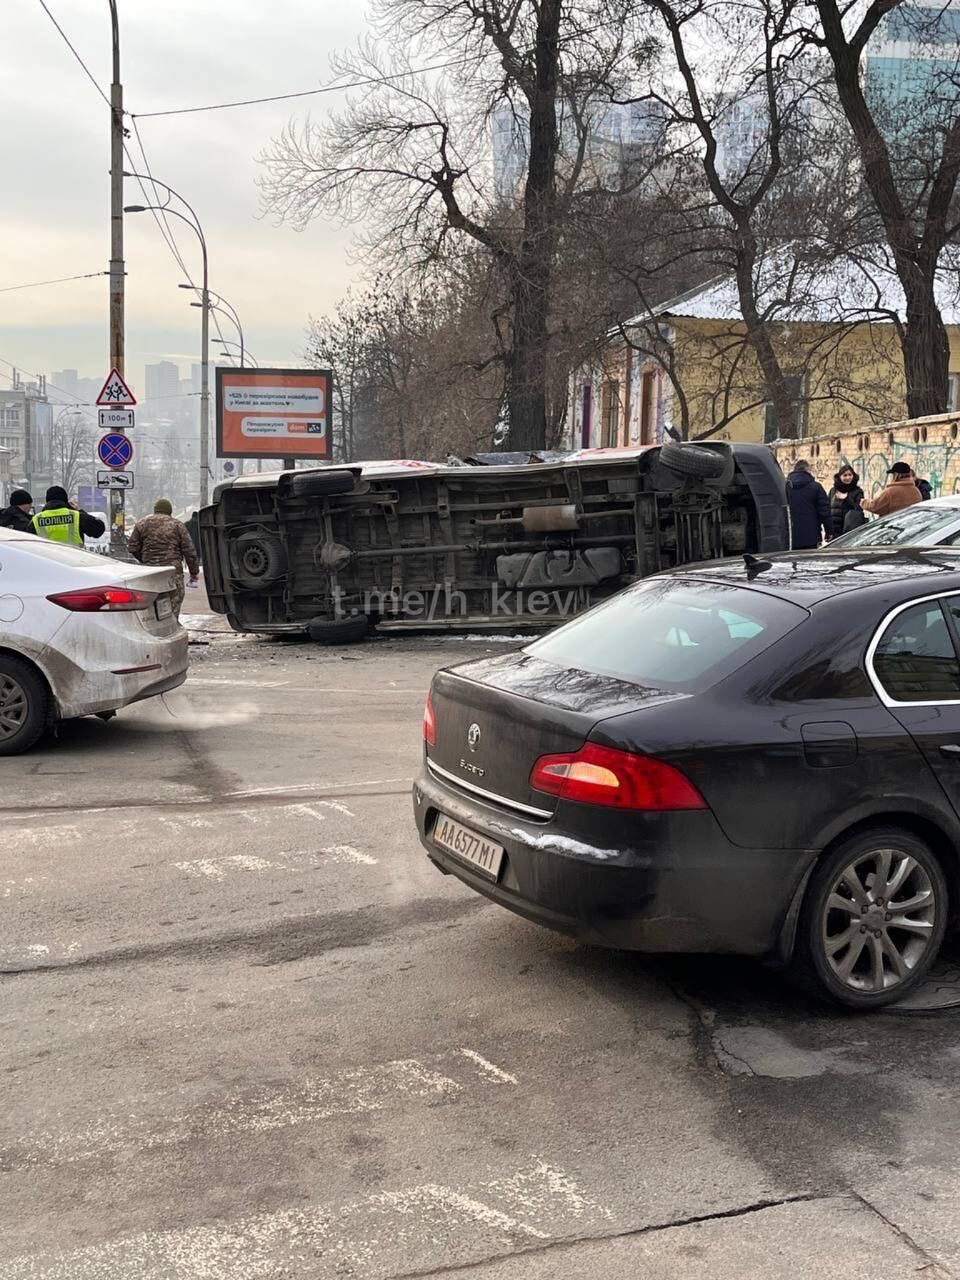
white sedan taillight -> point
(103, 599)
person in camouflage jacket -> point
(161, 539)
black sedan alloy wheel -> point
(875, 917)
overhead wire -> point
(304, 93)
(37, 284)
(66, 39)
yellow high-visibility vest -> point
(61, 524)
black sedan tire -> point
(873, 919)
(24, 700)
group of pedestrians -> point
(158, 539)
(813, 511)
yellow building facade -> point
(695, 374)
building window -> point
(796, 385)
(611, 414)
(953, 392)
(648, 406)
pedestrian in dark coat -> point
(809, 507)
(845, 498)
(18, 516)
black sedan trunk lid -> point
(495, 717)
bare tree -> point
(717, 57)
(71, 447)
(410, 157)
(910, 168)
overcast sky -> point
(54, 213)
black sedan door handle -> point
(950, 749)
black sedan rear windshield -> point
(671, 633)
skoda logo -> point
(473, 737)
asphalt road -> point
(247, 1031)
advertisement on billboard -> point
(274, 413)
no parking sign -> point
(115, 450)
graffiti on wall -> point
(931, 448)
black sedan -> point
(752, 756)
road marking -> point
(242, 684)
(295, 787)
(286, 860)
(310, 811)
(351, 1092)
(15, 888)
(354, 1091)
(217, 868)
(369, 1236)
(488, 1069)
(69, 833)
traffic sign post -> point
(115, 451)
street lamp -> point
(225, 308)
(245, 355)
(193, 222)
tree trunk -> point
(533, 268)
(758, 336)
(916, 250)
(926, 353)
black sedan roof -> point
(807, 577)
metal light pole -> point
(225, 308)
(245, 356)
(194, 222)
(118, 536)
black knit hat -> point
(20, 498)
(57, 493)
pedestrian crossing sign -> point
(115, 390)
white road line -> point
(286, 860)
(243, 684)
(303, 786)
(217, 868)
(488, 1069)
(310, 810)
(456, 1204)
(352, 1092)
(67, 834)
(363, 1237)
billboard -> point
(274, 413)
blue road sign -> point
(115, 450)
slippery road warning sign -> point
(115, 391)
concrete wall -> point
(930, 445)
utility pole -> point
(118, 535)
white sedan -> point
(80, 635)
(935, 523)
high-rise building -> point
(162, 381)
(617, 134)
(912, 66)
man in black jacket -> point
(18, 515)
(809, 507)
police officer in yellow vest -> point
(62, 520)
